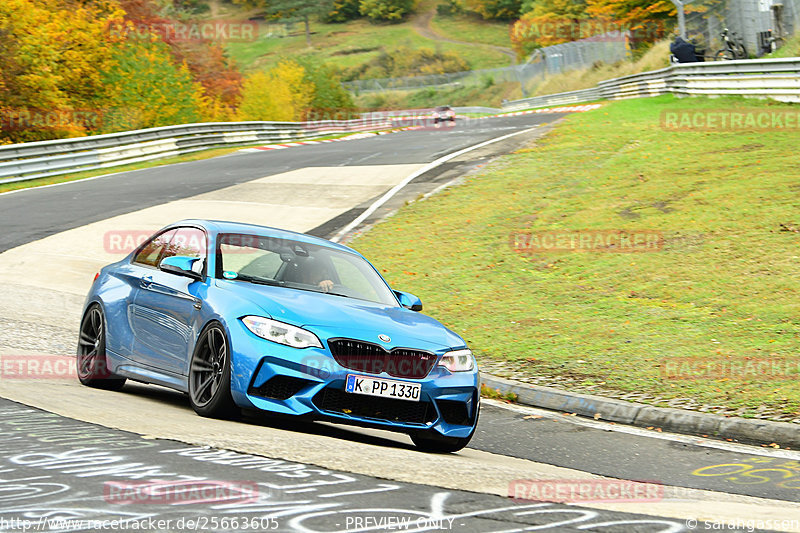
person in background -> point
(683, 50)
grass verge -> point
(351, 44)
(471, 27)
(490, 95)
(722, 290)
(655, 58)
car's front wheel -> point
(91, 363)
(210, 375)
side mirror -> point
(409, 301)
(182, 265)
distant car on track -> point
(444, 113)
(243, 316)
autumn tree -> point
(386, 10)
(147, 89)
(330, 99)
(632, 13)
(495, 9)
(549, 22)
(206, 60)
(303, 10)
(282, 94)
(343, 10)
(53, 54)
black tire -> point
(741, 51)
(724, 55)
(91, 361)
(210, 375)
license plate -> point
(386, 388)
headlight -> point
(458, 361)
(275, 331)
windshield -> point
(298, 265)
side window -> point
(189, 242)
(260, 263)
(351, 277)
(150, 253)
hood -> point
(332, 316)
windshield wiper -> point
(336, 294)
(259, 281)
(316, 289)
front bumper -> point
(310, 383)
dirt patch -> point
(742, 148)
(351, 51)
(629, 214)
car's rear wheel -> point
(91, 362)
(210, 375)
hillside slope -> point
(482, 44)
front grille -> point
(374, 359)
(338, 401)
(454, 412)
(280, 388)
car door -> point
(165, 306)
(119, 305)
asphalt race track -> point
(65, 448)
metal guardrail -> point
(26, 161)
(772, 78)
(778, 79)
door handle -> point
(145, 282)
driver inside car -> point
(318, 275)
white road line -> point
(433, 164)
(632, 430)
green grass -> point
(495, 394)
(468, 27)
(612, 319)
(790, 49)
(351, 44)
(470, 95)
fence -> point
(26, 161)
(778, 79)
(605, 48)
(705, 21)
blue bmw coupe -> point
(243, 316)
